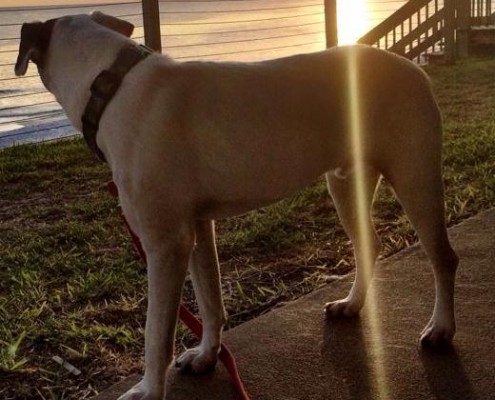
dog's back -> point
(254, 124)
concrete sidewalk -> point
(293, 353)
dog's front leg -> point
(205, 275)
(362, 234)
(167, 257)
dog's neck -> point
(104, 89)
(74, 64)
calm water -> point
(217, 30)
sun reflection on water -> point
(353, 20)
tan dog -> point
(192, 142)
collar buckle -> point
(105, 85)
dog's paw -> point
(197, 361)
(342, 308)
(437, 335)
(140, 392)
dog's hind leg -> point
(419, 188)
(205, 276)
(366, 249)
(167, 258)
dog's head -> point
(37, 36)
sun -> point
(352, 18)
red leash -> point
(188, 318)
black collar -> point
(104, 88)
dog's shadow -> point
(346, 356)
(446, 376)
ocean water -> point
(208, 30)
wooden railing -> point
(415, 30)
(421, 28)
(482, 12)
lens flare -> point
(365, 242)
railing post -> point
(151, 21)
(331, 29)
(463, 25)
(449, 31)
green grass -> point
(71, 285)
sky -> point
(21, 3)
(353, 13)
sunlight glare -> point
(375, 349)
(352, 16)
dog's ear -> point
(35, 39)
(113, 23)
